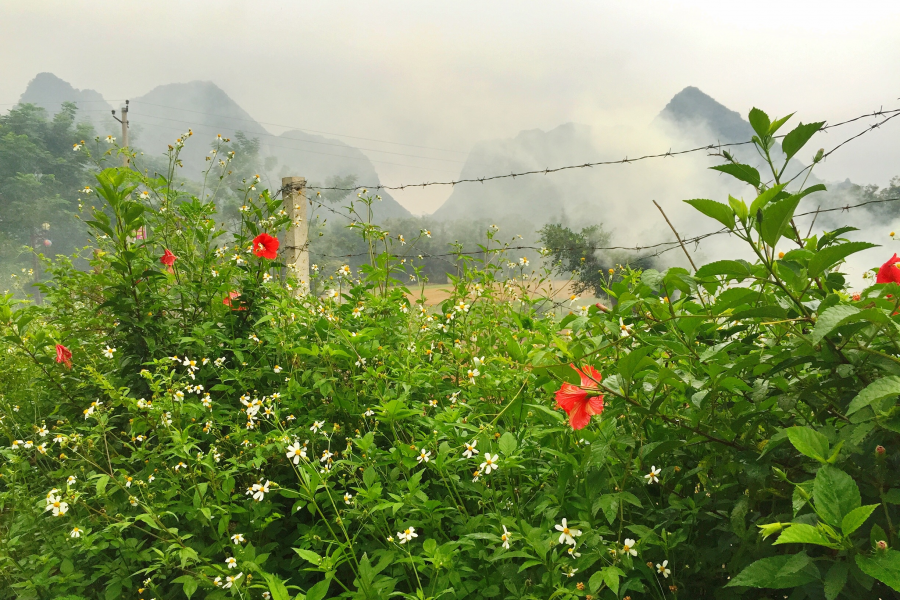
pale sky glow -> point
(446, 75)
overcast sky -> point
(446, 75)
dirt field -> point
(558, 290)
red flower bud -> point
(879, 450)
(881, 545)
(168, 258)
(64, 355)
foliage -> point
(360, 444)
(575, 254)
(40, 175)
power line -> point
(365, 158)
(313, 142)
(893, 113)
(302, 128)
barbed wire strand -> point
(626, 160)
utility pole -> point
(124, 121)
(297, 235)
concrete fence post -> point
(297, 235)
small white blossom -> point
(567, 535)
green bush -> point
(177, 421)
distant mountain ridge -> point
(167, 111)
(49, 92)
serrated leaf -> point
(854, 519)
(836, 579)
(507, 443)
(739, 207)
(801, 533)
(797, 138)
(831, 255)
(886, 387)
(835, 495)
(736, 269)
(745, 173)
(830, 319)
(715, 210)
(764, 574)
(309, 555)
(883, 566)
(759, 121)
(764, 198)
(776, 218)
(809, 442)
(318, 591)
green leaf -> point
(609, 503)
(715, 210)
(797, 138)
(776, 218)
(745, 173)
(836, 579)
(190, 587)
(611, 577)
(763, 199)
(101, 484)
(854, 519)
(759, 121)
(886, 387)
(830, 319)
(309, 555)
(319, 591)
(737, 269)
(801, 533)
(835, 495)
(883, 566)
(831, 255)
(739, 207)
(776, 125)
(628, 364)
(764, 573)
(809, 442)
(276, 587)
(507, 443)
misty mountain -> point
(697, 118)
(49, 92)
(162, 115)
(541, 199)
(690, 119)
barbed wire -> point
(671, 245)
(879, 113)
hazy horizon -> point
(448, 77)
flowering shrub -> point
(177, 421)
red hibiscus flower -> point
(889, 273)
(575, 399)
(168, 258)
(265, 246)
(233, 296)
(64, 355)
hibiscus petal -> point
(595, 405)
(579, 418)
(569, 396)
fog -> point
(419, 86)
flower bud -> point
(769, 529)
(880, 451)
(819, 155)
(881, 545)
